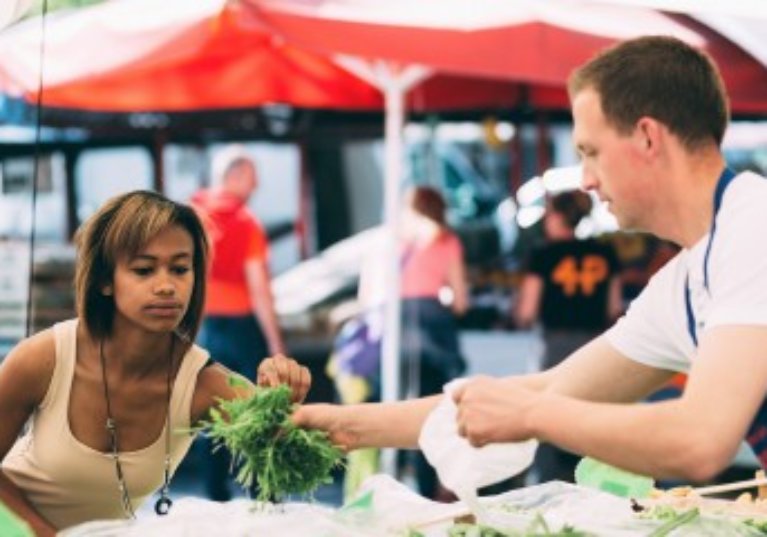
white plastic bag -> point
(461, 467)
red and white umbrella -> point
(144, 55)
(206, 54)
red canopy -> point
(208, 54)
(530, 41)
(205, 54)
(171, 55)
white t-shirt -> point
(655, 332)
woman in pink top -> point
(433, 291)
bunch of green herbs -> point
(267, 447)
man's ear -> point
(649, 133)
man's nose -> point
(588, 180)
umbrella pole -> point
(390, 365)
(394, 82)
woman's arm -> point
(456, 279)
(529, 301)
(614, 299)
(25, 375)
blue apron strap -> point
(724, 181)
(690, 314)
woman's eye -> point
(142, 271)
(181, 270)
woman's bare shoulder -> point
(29, 366)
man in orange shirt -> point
(238, 283)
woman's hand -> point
(280, 369)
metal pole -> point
(390, 363)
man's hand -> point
(494, 410)
(327, 418)
(280, 369)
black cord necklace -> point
(164, 503)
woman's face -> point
(152, 289)
(554, 224)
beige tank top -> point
(69, 482)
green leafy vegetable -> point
(267, 447)
(673, 523)
(659, 512)
(759, 525)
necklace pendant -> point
(163, 505)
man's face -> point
(242, 180)
(612, 163)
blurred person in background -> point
(571, 287)
(433, 293)
(240, 326)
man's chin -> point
(631, 226)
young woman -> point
(111, 392)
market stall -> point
(387, 508)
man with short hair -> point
(240, 327)
(649, 117)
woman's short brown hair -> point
(123, 226)
(428, 202)
(573, 205)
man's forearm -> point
(664, 440)
(396, 424)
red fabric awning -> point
(177, 55)
(206, 54)
(534, 42)
(172, 55)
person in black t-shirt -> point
(572, 288)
